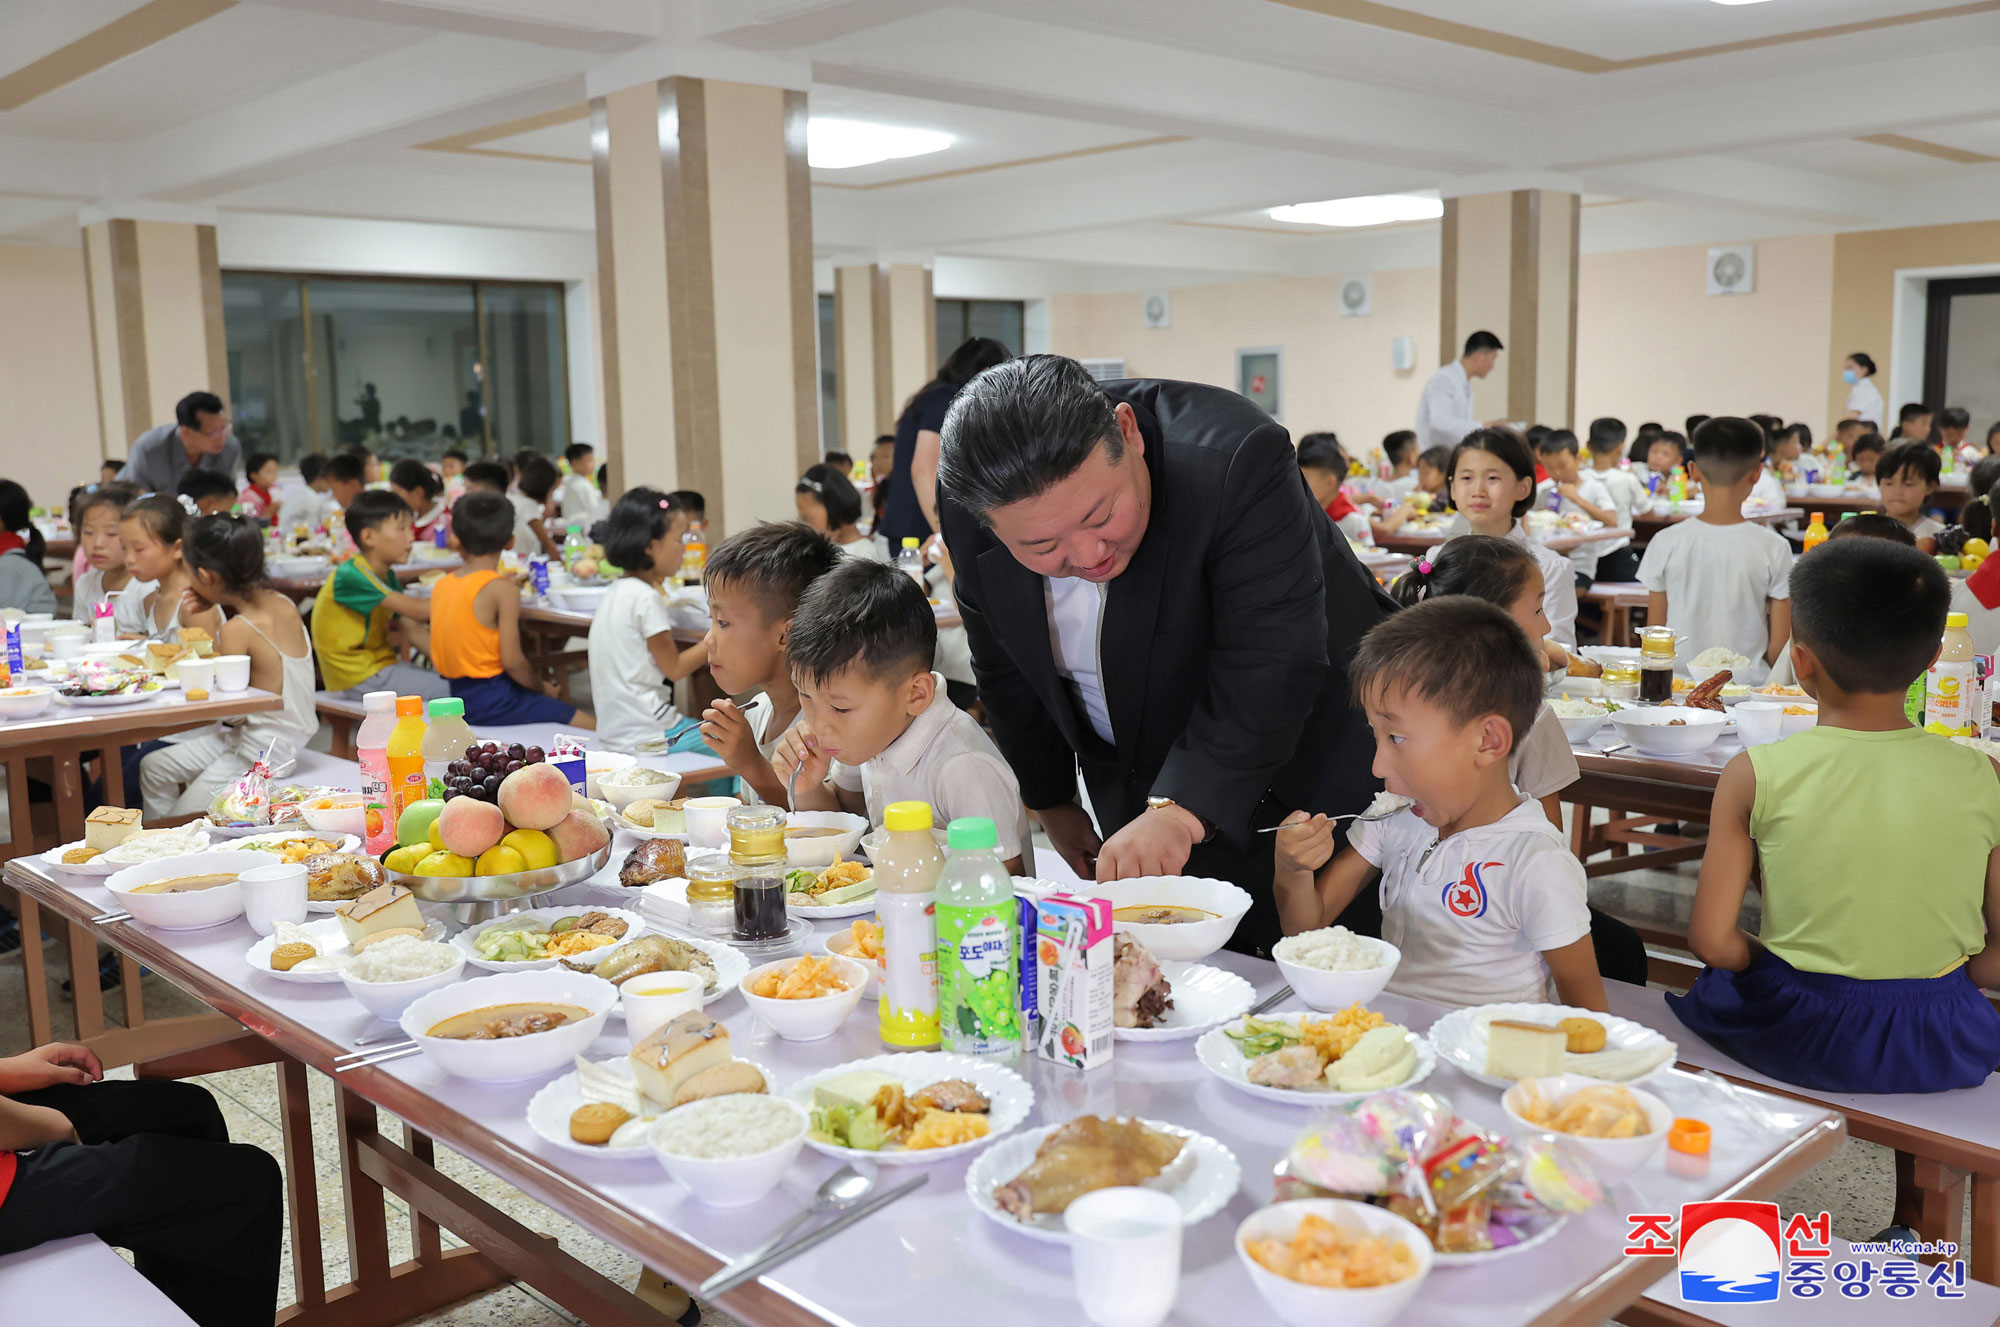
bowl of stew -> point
(187, 892)
(512, 1025)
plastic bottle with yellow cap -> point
(1949, 685)
(906, 876)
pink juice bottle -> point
(372, 744)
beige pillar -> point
(885, 333)
(1509, 266)
(155, 296)
(705, 291)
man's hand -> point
(1156, 842)
(1073, 837)
(46, 1066)
(1305, 843)
(728, 734)
(799, 750)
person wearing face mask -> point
(1152, 594)
(1864, 399)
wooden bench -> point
(340, 715)
(82, 1279)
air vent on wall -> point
(1732, 271)
(1357, 296)
(1158, 309)
(1104, 370)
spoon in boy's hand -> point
(1363, 816)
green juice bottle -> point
(979, 1007)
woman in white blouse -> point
(1864, 399)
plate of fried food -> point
(842, 890)
(544, 937)
(1025, 1181)
(1306, 1060)
(900, 1110)
(862, 942)
(604, 1109)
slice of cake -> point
(108, 826)
(160, 657)
(383, 908)
(197, 642)
(1524, 1050)
(672, 1055)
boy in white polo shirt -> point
(1479, 891)
(875, 725)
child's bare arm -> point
(1781, 629)
(1725, 872)
(1312, 882)
(1574, 966)
(1984, 966)
(673, 662)
(506, 602)
(408, 605)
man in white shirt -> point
(1444, 411)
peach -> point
(535, 797)
(468, 826)
(578, 834)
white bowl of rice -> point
(730, 1150)
(1580, 718)
(1713, 660)
(1332, 968)
(389, 974)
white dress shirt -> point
(1076, 612)
(1865, 399)
(1444, 411)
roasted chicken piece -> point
(649, 953)
(1707, 695)
(1085, 1155)
(1294, 1066)
(653, 861)
(1140, 992)
(953, 1094)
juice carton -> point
(1074, 949)
(15, 661)
(1028, 895)
(103, 623)
(566, 754)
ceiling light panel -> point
(843, 144)
(1372, 210)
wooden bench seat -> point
(81, 1279)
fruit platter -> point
(510, 824)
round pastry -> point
(1585, 1035)
(596, 1122)
(286, 957)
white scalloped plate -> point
(1202, 1179)
(1221, 1057)
(549, 1111)
(1009, 1093)
(1460, 1039)
(1204, 998)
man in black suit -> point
(1151, 593)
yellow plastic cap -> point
(1955, 621)
(911, 541)
(904, 817)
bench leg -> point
(1985, 1254)
(1930, 1199)
(341, 733)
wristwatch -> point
(1162, 803)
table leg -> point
(424, 1236)
(33, 970)
(367, 1217)
(83, 980)
(114, 776)
(1985, 1253)
(131, 996)
(20, 818)
(301, 1185)
(1930, 1199)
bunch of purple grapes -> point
(479, 772)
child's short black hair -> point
(1873, 525)
(1846, 424)
(346, 468)
(691, 502)
(311, 466)
(773, 562)
(483, 522)
(231, 547)
(1510, 447)
(521, 459)
(1771, 424)
(372, 507)
(538, 478)
(862, 613)
(1400, 446)
(836, 492)
(1870, 611)
(1555, 441)
(1910, 455)
(576, 451)
(1485, 566)
(1694, 422)
(1437, 458)
(489, 475)
(1799, 433)
(1871, 441)
(1465, 656)
(110, 466)
(256, 461)
(1534, 435)
(1977, 518)
(199, 484)
(838, 458)
(639, 517)
(454, 454)
(415, 475)
(1912, 410)
(1985, 474)
(1321, 451)
(1954, 417)
(1727, 448)
(1607, 435)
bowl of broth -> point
(187, 892)
(1181, 917)
(512, 1025)
(813, 839)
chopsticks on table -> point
(731, 1277)
(374, 1055)
(1277, 997)
(114, 915)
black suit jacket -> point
(1224, 644)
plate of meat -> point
(1027, 1180)
(1167, 1001)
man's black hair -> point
(1479, 341)
(196, 403)
(1022, 427)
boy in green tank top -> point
(1866, 971)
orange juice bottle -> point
(406, 756)
(1816, 531)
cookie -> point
(286, 957)
(1585, 1035)
(595, 1123)
(78, 856)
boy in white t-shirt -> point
(1719, 579)
(1479, 890)
(1574, 490)
(1616, 560)
(876, 725)
(579, 497)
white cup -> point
(708, 820)
(1125, 1255)
(232, 672)
(1758, 722)
(273, 894)
(67, 645)
(195, 674)
(657, 999)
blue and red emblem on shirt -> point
(1466, 897)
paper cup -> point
(1125, 1255)
(232, 672)
(1759, 722)
(68, 645)
(708, 820)
(273, 894)
(196, 674)
(657, 999)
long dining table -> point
(900, 1265)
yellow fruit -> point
(443, 863)
(500, 860)
(1978, 547)
(431, 834)
(537, 849)
(404, 861)
(1970, 561)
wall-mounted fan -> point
(1732, 271)
(1357, 296)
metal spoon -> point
(840, 1190)
(1363, 816)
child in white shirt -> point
(1617, 560)
(634, 661)
(1479, 890)
(96, 520)
(579, 497)
(1572, 489)
(875, 724)
(1907, 475)
(1493, 485)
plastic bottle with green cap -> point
(979, 999)
(906, 876)
(444, 741)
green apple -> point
(413, 827)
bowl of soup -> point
(1181, 917)
(813, 839)
(184, 893)
(512, 1025)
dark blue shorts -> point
(500, 700)
(1842, 1034)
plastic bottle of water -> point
(911, 562)
(575, 544)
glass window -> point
(393, 362)
(524, 362)
(829, 385)
(959, 319)
(265, 339)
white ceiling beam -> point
(1778, 191)
(604, 26)
(1166, 245)
(786, 25)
